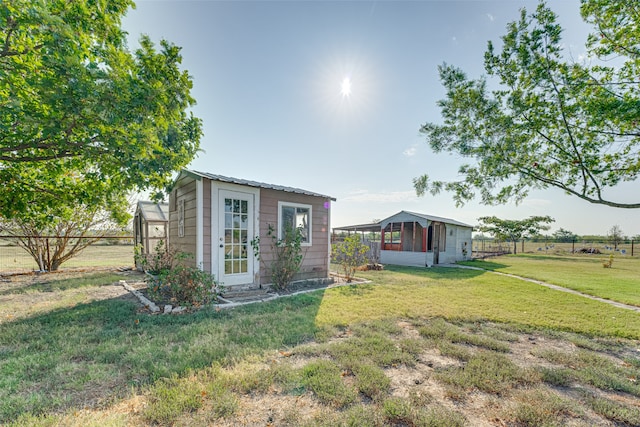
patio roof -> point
(360, 227)
(402, 216)
(154, 212)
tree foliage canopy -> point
(551, 122)
(562, 235)
(82, 119)
(513, 229)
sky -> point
(329, 96)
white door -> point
(235, 263)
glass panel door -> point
(236, 231)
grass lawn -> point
(342, 352)
(583, 273)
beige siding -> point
(316, 257)
(184, 189)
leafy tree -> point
(562, 235)
(350, 254)
(82, 119)
(551, 122)
(615, 236)
(513, 229)
(63, 237)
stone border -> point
(150, 304)
(168, 309)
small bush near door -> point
(184, 285)
(287, 255)
(173, 281)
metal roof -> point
(360, 227)
(256, 184)
(432, 218)
(153, 212)
(405, 214)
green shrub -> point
(350, 254)
(287, 255)
(162, 259)
(184, 285)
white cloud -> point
(411, 151)
(491, 17)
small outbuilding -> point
(421, 240)
(150, 225)
(215, 218)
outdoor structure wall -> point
(316, 256)
(449, 255)
(184, 189)
(456, 236)
(412, 259)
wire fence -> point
(113, 252)
(483, 248)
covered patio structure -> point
(414, 239)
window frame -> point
(283, 204)
(181, 218)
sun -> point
(345, 87)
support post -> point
(413, 248)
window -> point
(181, 218)
(295, 215)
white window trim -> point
(296, 205)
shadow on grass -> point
(438, 273)
(97, 279)
(85, 354)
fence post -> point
(522, 251)
(631, 247)
(573, 246)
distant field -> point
(15, 259)
(551, 247)
(583, 272)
